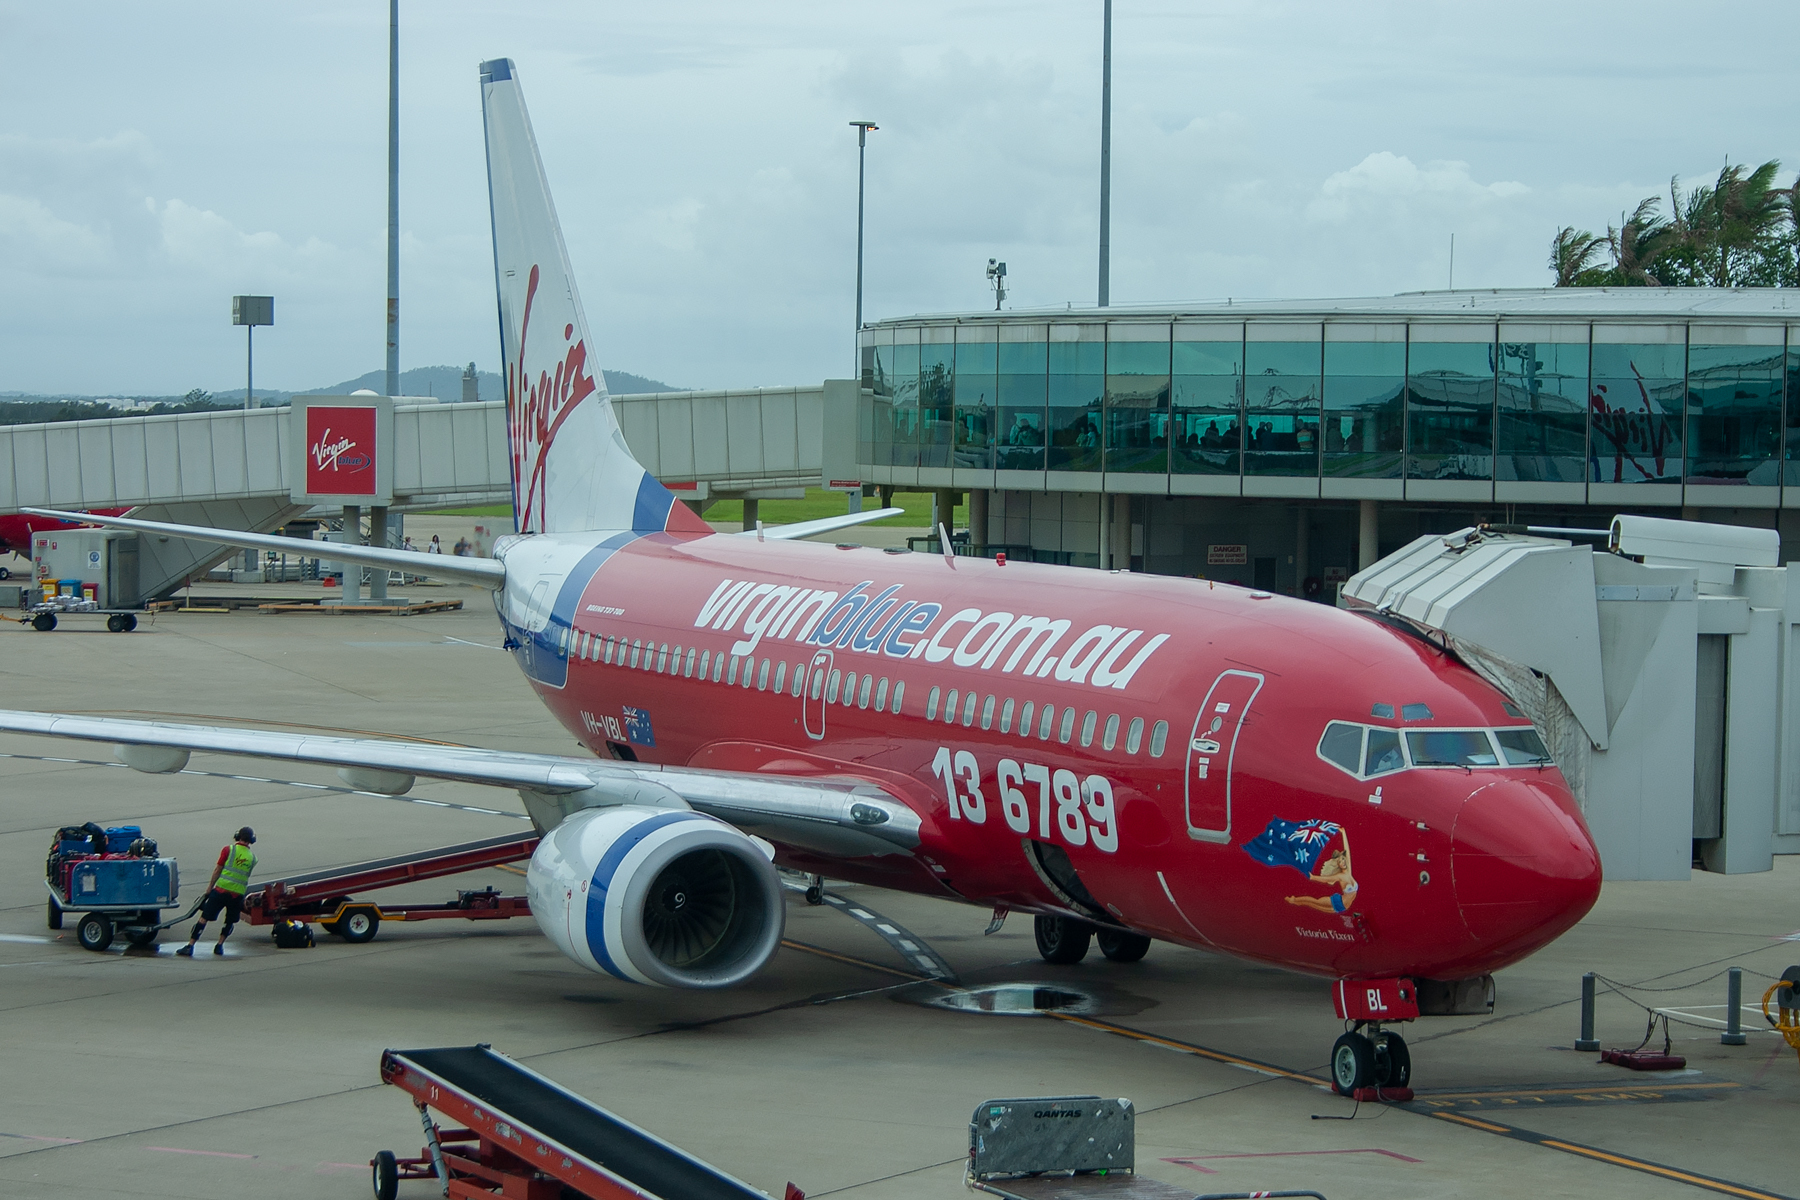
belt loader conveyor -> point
(325, 895)
(528, 1137)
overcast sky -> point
(157, 159)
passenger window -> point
(969, 710)
(931, 705)
(831, 687)
(862, 696)
(780, 678)
(799, 679)
(1415, 712)
(1025, 719)
(637, 651)
(1383, 752)
(1159, 737)
(1068, 726)
(1087, 728)
(731, 677)
(950, 707)
(1112, 733)
(1006, 715)
(606, 647)
(1045, 721)
(1134, 737)
(1342, 745)
(850, 689)
(662, 659)
(818, 684)
(719, 667)
(1522, 747)
(675, 662)
(1450, 748)
(881, 695)
(987, 713)
(899, 690)
(705, 663)
(762, 676)
(689, 672)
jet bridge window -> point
(1451, 748)
(1522, 747)
(1342, 745)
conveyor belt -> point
(549, 1112)
(402, 868)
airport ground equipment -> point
(328, 895)
(115, 879)
(1785, 992)
(48, 615)
(524, 1136)
(1059, 1148)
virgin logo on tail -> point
(537, 408)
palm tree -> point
(1572, 254)
(1637, 243)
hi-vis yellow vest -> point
(234, 876)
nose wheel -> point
(1375, 1060)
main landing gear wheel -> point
(1062, 939)
(1122, 947)
(384, 1174)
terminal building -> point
(1287, 444)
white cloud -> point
(1384, 179)
(33, 239)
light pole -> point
(863, 129)
(251, 311)
(1106, 158)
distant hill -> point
(23, 408)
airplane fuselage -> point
(1133, 749)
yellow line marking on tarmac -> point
(857, 962)
(1472, 1121)
(1633, 1089)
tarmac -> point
(139, 1074)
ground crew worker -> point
(225, 891)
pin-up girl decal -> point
(1301, 845)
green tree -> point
(1572, 255)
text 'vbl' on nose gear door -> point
(814, 696)
(1211, 749)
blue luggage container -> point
(120, 837)
(123, 882)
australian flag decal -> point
(1296, 844)
(637, 727)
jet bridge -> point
(1656, 660)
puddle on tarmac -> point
(1015, 1000)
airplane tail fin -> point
(571, 468)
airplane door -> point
(814, 697)
(1211, 748)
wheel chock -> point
(1643, 1060)
(1375, 1095)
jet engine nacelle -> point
(668, 898)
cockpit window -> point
(1522, 747)
(1383, 754)
(1450, 748)
(1415, 712)
(1384, 711)
(1512, 710)
(1342, 744)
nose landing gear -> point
(1370, 1062)
(1374, 1061)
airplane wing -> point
(840, 817)
(483, 572)
(803, 529)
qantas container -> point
(123, 883)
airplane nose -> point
(1523, 864)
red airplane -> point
(1126, 757)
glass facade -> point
(1207, 397)
(1281, 407)
(1555, 402)
(1449, 406)
(1365, 380)
(1541, 426)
